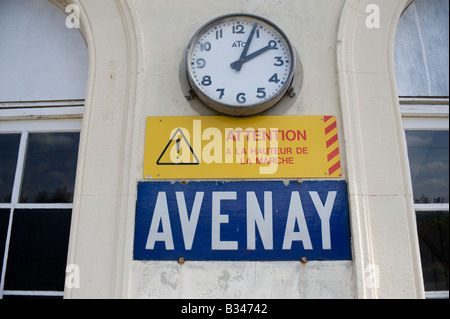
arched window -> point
(43, 76)
(422, 50)
(422, 70)
(40, 58)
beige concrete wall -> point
(136, 70)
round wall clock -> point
(240, 64)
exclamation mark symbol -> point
(178, 147)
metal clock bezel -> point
(232, 110)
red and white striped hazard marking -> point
(333, 157)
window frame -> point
(427, 114)
(62, 109)
(26, 127)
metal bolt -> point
(181, 261)
(190, 96)
(291, 92)
(303, 260)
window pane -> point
(422, 49)
(40, 58)
(4, 220)
(434, 241)
(428, 156)
(50, 168)
(433, 17)
(410, 66)
(38, 250)
(9, 150)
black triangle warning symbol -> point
(181, 155)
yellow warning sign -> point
(266, 147)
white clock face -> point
(240, 64)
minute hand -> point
(237, 65)
(249, 41)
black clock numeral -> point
(222, 93)
(206, 81)
(238, 29)
(240, 98)
(279, 62)
(261, 93)
(273, 45)
(201, 63)
(274, 78)
(206, 46)
(219, 34)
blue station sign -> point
(242, 221)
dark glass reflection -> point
(4, 221)
(38, 250)
(9, 150)
(434, 241)
(428, 157)
(50, 168)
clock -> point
(240, 64)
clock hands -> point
(237, 65)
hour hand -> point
(237, 65)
